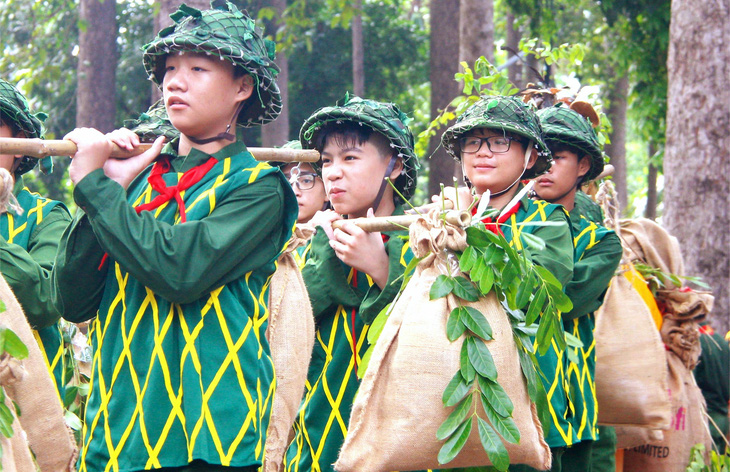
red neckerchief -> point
(188, 179)
(494, 226)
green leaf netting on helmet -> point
(15, 113)
(505, 114)
(152, 124)
(228, 34)
(562, 125)
(385, 118)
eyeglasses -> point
(495, 144)
(303, 180)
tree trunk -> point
(358, 53)
(513, 42)
(276, 133)
(96, 96)
(651, 190)
(617, 94)
(444, 63)
(476, 30)
(697, 155)
(163, 20)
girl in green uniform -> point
(578, 159)
(174, 260)
(498, 141)
(349, 273)
(29, 239)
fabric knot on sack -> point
(430, 236)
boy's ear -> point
(584, 165)
(245, 87)
(533, 158)
(397, 169)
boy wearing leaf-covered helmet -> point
(174, 260)
(499, 142)
(350, 274)
(578, 159)
(30, 232)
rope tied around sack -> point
(432, 237)
(7, 199)
(301, 235)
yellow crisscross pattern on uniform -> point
(257, 403)
(539, 214)
(53, 359)
(334, 393)
(33, 213)
(583, 374)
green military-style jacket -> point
(28, 244)
(344, 302)
(181, 368)
(597, 256)
(557, 257)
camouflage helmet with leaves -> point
(152, 124)
(562, 125)
(505, 114)
(385, 118)
(16, 113)
(228, 34)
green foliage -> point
(318, 43)
(657, 279)
(717, 462)
(493, 265)
(76, 384)
(485, 79)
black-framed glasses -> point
(495, 144)
(303, 180)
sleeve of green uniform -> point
(319, 272)
(78, 284)
(557, 257)
(591, 276)
(28, 272)
(182, 262)
(376, 299)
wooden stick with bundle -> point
(460, 218)
(63, 147)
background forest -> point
(80, 62)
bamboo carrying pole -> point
(394, 223)
(63, 147)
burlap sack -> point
(16, 452)
(632, 436)
(689, 426)
(399, 406)
(291, 337)
(42, 416)
(645, 241)
(631, 378)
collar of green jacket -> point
(196, 157)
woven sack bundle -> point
(631, 379)
(291, 337)
(399, 405)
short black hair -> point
(6, 120)
(348, 133)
